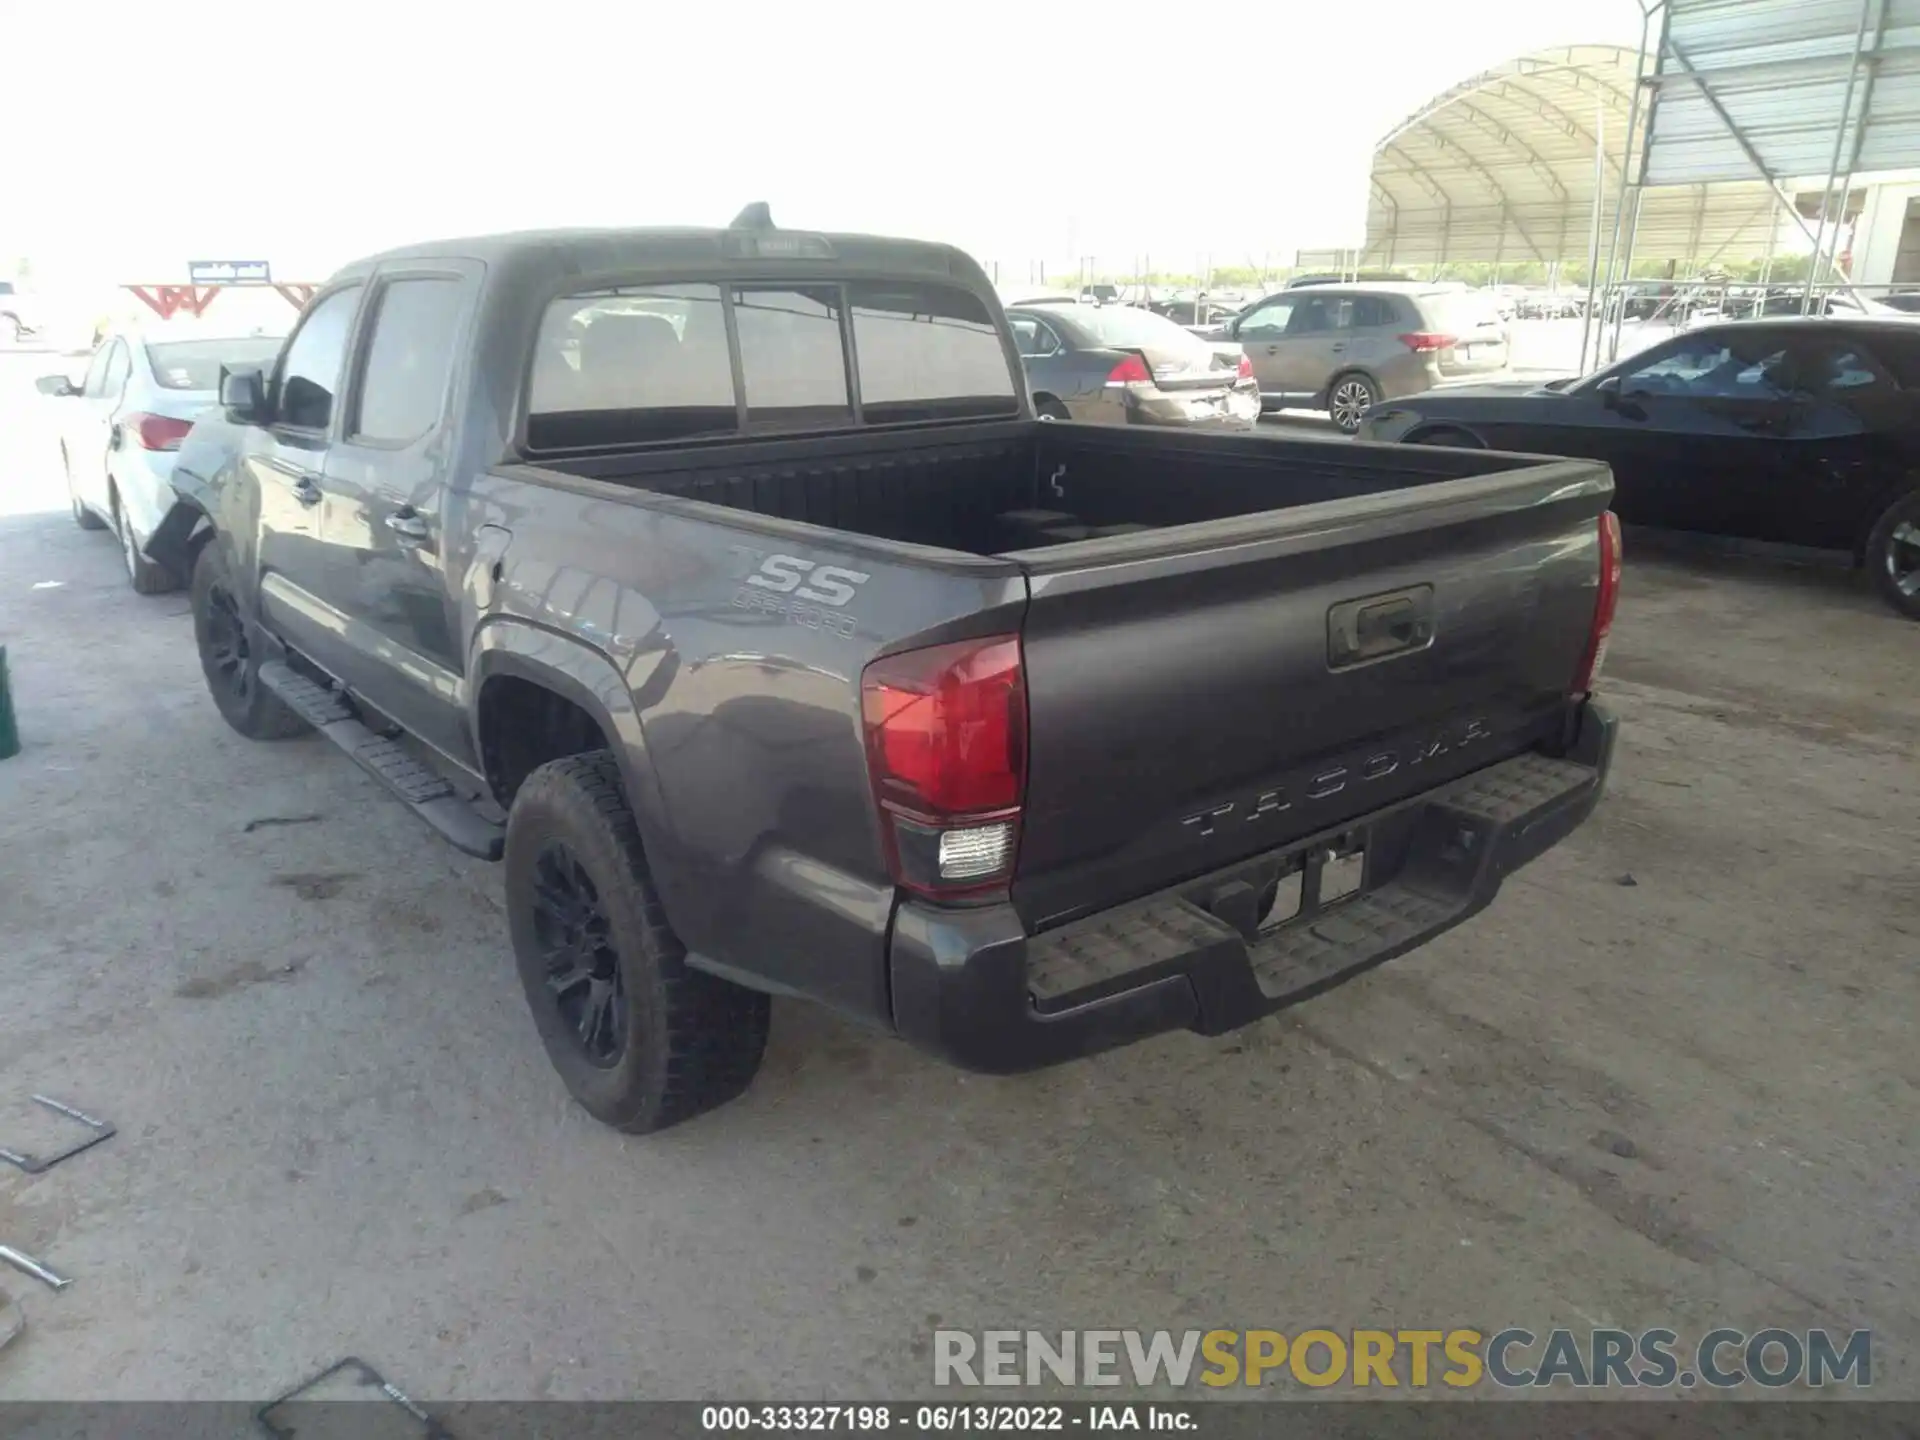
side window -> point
(95, 385)
(1033, 339)
(1321, 314)
(1268, 322)
(311, 368)
(928, 352)
(1840, 369)
(1707, 368)
(1678, 369)
(119, 366)
(792, 362)
(403, 384)
(1371, 312)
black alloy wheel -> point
(583, 975)
(223, 641)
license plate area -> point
(1315, 880)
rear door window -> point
(792, 359)
(1320, 315)
(403, 386)
(929, 352)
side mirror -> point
(243, 393)
(1609, 392)
(58, 386)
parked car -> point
(1345, 348)
(1118, 365)
(1371, 277)
(18, 313)
(121, 427)
(1799, 431)
(802, 661)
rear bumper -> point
(971, 987)
(1227, 408)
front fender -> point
(177, 539)
(192, 517)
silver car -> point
(1345, 348)
(122, 424)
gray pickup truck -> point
(723, 582)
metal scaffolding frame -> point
(1746, 112)
(1697, 143)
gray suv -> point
(1345, 348)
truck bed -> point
(1032, 485)
(1177, 600)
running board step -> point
(422, 791)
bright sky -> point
(135, 137)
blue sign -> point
(229, 272)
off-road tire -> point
(1884, 555)
(233, 671)
(691, 1041)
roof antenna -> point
(755, 217)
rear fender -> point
(576, 671)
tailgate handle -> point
(1379, 627)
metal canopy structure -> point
(1784, 88)
(1507, 165)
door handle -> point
(1340, 347)
(409, 527)
(306, 491)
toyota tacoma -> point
(723, 584)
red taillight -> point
(157, 432)
(1422, 341)
(1130, 371)
(946, 736)
(1605, 602)
(1246, 368)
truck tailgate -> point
(1212, 691)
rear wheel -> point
(1048, 408)
(146, 577)
(1893, 555)
(641, 1040)
(1349, 398)
(230, 655)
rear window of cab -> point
(647, 364)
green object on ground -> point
(9, 731)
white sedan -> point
(121, 426)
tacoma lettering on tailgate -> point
(1330, 781)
